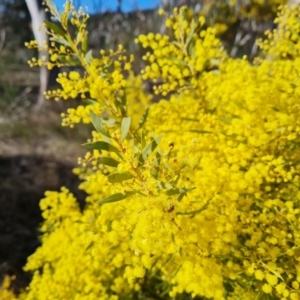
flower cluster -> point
(284, 42)
(225, 13)
(5, 292)
(194, 195)
(180, 62)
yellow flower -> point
(259, 275)
(267, 288)
(74, 75)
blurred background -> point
(36, 153)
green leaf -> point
(109, 122)
(97, 122)
(78, 37)
(200, 131)
(226, 121)
(55, 28)
(119, 177)
(189, 119)
(117, 197)
(108, 161)
(276, 274)
(177, 191)
(178, 61)
(71, 62)
(84, 44)
(143, 119)
(124, 100)
(156, 165)
(60, 40)
(191, 49)
(90, 101)
(272, 271)
(177, 44)
(53, 8)
(104, 71)
(164, 185)
(131, 193)
(143, 140)
(190, 36)
(240, 105)
(112, 198)
(121, 106)
(90, 245)
(176, 178)
(102, 146)
(125, 126)
(88, 56)
(79, 222)
(136, 149)
(181, 196)
(194, 212)
(147, 151)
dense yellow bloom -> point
(199, 193)
(5, 293)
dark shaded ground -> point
(23, 181)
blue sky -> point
(103, 5)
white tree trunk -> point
(291, 2)
(38, 16)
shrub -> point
(194, 196)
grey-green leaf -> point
(119, 177)
(97, 122)
(200, 131)
(143, 119)
(226, 121)
(84, 44)
(164, 185)
(90, 101)
(125, 126)
(189, 119)
(117, 197)
(119, 103)
(53, 8)
(60, 40)
(79, 222)
(109, 122)
(124, 100)
(194, 212)
(156, 165)
(55, 28)
(88, 56)
(108, 161)
(102, 146)
(143, 139)
(148, 150)
(90, 245)
(112, 198)
(177, 191)
(190, 36)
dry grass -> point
(40, 133)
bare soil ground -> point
(36, 155)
